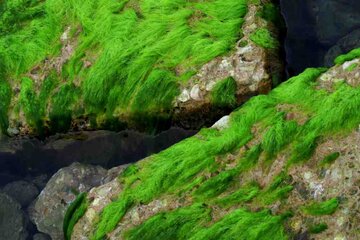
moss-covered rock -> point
(109, 64)
(261, 177)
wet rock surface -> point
(48, 211)
(310, 182)
(250, 65)
(36, 161)
(27, 164)
(13, 222)
(319, 28)
(22, 191)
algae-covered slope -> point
(100, 64)
(284, 166)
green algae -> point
(189, 223)
(30, 105)
(329, 159)
(348, 56)
(182, 169)
(263, 38)
(243, 195)
(5, 99)
(322, 208)
(112, 213)
(351, 67)
(182, 223)
(139, 51)
(318, 228)
(271, 13)
(242, 224)
(61, 110)
(224, 93)
(74, 212)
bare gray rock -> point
(12, 219)
(23, 192)
(48, 211)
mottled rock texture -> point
(48, 211)
(63, 69)
(12, 219)
(291, 157)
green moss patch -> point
(139, 52)
(271, 12)
(263, 38)
(348, 56)
(189, 223)
(194, 168)
(74, 212)
(318, 228)
(322, 208)
(5, 98)
(329, 159)
(224, 93)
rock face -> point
(313, 27)
(68, 101)
(253, 67)
(345, 44)
(48, 211)
(12, 219)
(22, 191)
(36, 161)
(314, 176)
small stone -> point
(210, 86)
(184, 96)
(340, 237)
(246, 49)
(196, 93)
(346, 65)
(307, 175)
(225, 65)
(64, 37)
(223, 123)
(340, 221)
(325, 77)
(90, 214)
(13, 131)
(253, 87)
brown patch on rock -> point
(338, 180)
(293, 113)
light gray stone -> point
(196, 93)
(223, 123)
(184, 96)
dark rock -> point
(314, 26)
(40, 181)
(48, 211)
(302, 236)
(22, 191)
(41, 236)
(345, 44)
(12, 219)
